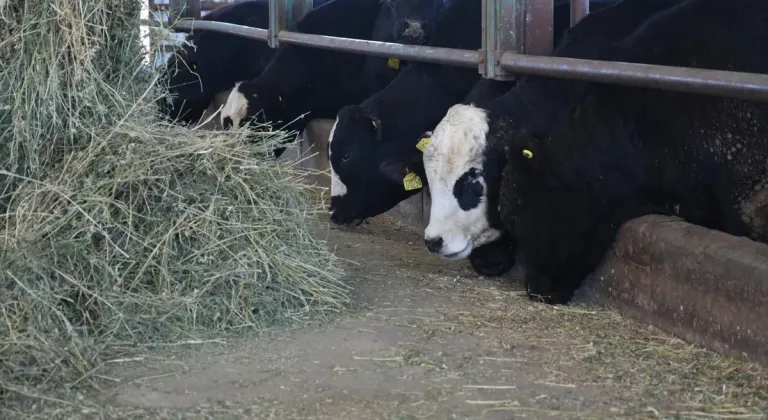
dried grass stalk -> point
(119, 230)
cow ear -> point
(398, 170)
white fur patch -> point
(338, 189)
(457, 145)
(236, 106)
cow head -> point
(184, 74)
(253, 101)
(464, 182)
(369, 175)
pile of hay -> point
(119, 230)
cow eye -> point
(345, 157)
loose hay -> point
(119, 230)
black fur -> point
(195, 74)
(414, 102)
(541, 103)
(626, 152)
(303, 83)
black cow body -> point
(380, 155)
(475, 163)
(626, 152)
(215, 60)
(303, 83)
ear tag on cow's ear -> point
(375, 126)
(422, 144)
(393, 63)
(279, 98)
(411, 181)
(527, 154)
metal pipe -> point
(276, 13)
(740, 85)
(746, 86)
(579, 10)
(227, 28)
(448, 56)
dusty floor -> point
(430, 340)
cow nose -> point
(434, 245)
(228, 123)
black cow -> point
(627, 152)
(463, 164)
(372, 145)
(406, 22)
(315, 83)
(211, 62)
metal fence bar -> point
(747, 86)
(227, 28)
(449, 56)
(740, 85)
(579, 10)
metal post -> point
(283, 15)
(579, 10)
(523, 26)
(276, 21)
(175, 10)
(193, 9)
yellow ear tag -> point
(422, 144)
(527, 154)
(393, 63)
(412, 182)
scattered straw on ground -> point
(118, 230)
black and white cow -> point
(303, 83)
(211, 62)
(627, 152)
(463, 167)
(373, 144)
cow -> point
(374, 142)
(464, 169)
(303, 83)
(625, 152)
(210, 62)
(407, 22)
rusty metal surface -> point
(748, 86)
(579, 10)
(523, 26)
(704, 286)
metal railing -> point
(520, 33)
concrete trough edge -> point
(703, 286)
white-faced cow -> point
(375, 141)
(303, 83)
(464, 167)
